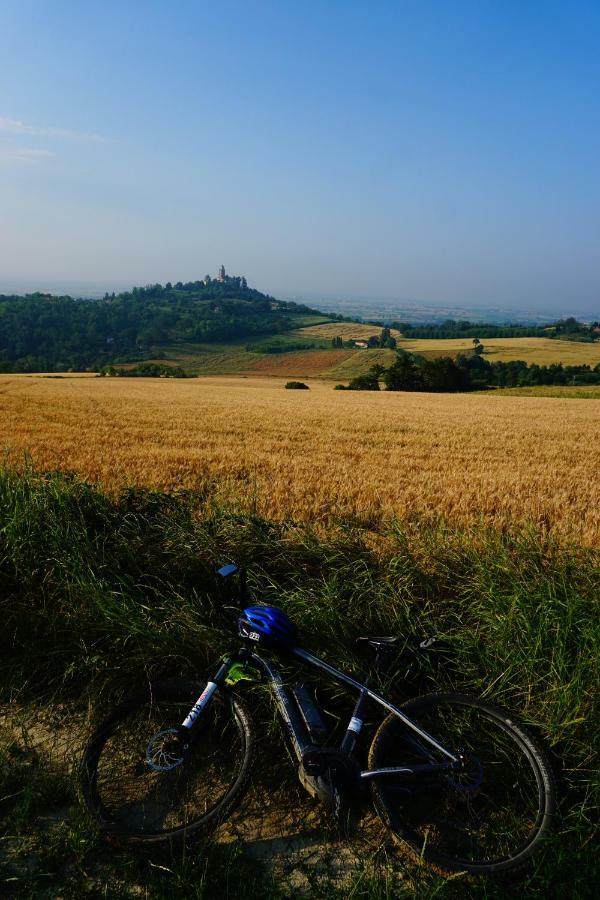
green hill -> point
(223, 326)
(41, 332)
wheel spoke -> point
(486, 814)
(143, 785)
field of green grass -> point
(99, 594)
(207, 359)
(308, 321)
(359, 362)
(232, 357)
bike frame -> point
(290, 714)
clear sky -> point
(434, 151)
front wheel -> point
(137, 790)
(487, 818)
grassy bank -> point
(99, 594)
(584, 392)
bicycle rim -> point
(486, 819)
(129, 798)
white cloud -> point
(23, 154)
(32, 153)
(15, 126)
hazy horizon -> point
(366, 307)
(429, 154)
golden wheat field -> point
(349, 331)
(320, 454)
(540, 350)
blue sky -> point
(438, 152)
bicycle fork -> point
(191, 724)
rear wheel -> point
(138, 789)
(487, 818)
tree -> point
(403, 374)
(478, 370)
(369, 381)
(441, 375)
(337, 342)
(364, 383)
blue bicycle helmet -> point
(267, 625)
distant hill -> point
(41, 332)
(213, 325)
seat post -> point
(383, 655)
(356, 722)
(382, 647)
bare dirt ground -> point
(280, 827)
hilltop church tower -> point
(221, 275)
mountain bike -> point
(455, 778)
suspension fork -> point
(285, 704)
(192, 722)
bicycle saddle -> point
(378, 643)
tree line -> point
(564, 329)
(144, 370)
(471, 372)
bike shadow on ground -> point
(280, 827)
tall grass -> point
(99, 593)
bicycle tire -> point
(425, 823)
(102, 794)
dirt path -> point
(282, 829)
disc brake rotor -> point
(163, 753)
